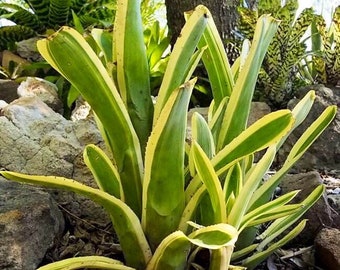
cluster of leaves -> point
(323, 66)
(37, 17)
(277, 79)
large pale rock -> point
(29, 222)
(327, 249)
(324, 154)
(36, 140)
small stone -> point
(44, 90)
(8, 90)
(327, 249)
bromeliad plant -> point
(323, 65)
(168, 199)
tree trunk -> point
(224, 13)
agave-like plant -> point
(168, 198)
(279, 69)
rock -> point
(8, 90)
(29, 222)
(324, 154)
(319, 215)
(81, 111)
(327, 251)
(36, 140)
(43, 89)
(27, 49)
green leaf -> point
(268, 210)
(171, 254)
(98, 262)
(251, 184)
(179, 62)
(208, 176)
(216, 117)
(264, 132)
(275, 214)
(69, 53)
(105, 174)
(163, 185)
(312, 133)
(233, 185)
(132, 67)
(72, 96)
(243, 252)
(125, 222)
(300, 113)
(104, 41)
(202, 135)
(215, 236)
(216, 62)
(190, 209)
(236, 116)
(254, 260)
(281, 224)
(77, 24)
